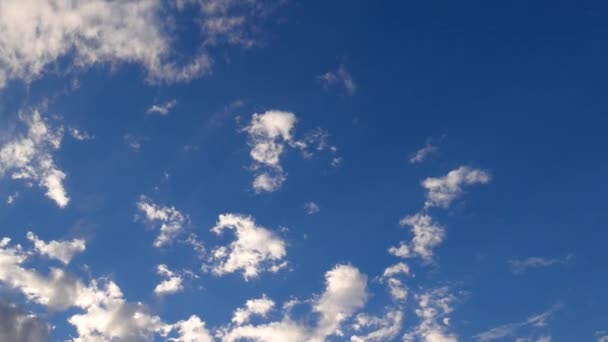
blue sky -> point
(227, 170)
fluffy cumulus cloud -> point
(190, 330)
(345, 293)
(434, 307)
(255, 249)
(36, 33)
(340, 77)
(103, 313)
(442, 191)
(259, 306)
(378, 329)
(172, 282)
(63, 251)
(29, 156)
(170, 219)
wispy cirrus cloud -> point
(519, 266)
(511, 329)
(339, 77)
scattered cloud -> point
(255, 249)
(311, 208)
(171, 284)
(63, 251)
(397, 289)
(423, 153)
(29, 156)
(434, 307)
(11, 198)
(427, 236)
(340, 77)
(162, 109)
(519, 266)
(171, 220)
(509, 330)
(134, 142)
(80, 135)
(444, 190)
(384, 328)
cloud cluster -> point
(269, 133)
(29, 156)
(170, 219)
(434, 307)
(37, 33)
(255, 249)
(345, 293)
(103, 313)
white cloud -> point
(255, 249)
(63, 251)
(269, 133)
(268, 182)
(80, 134)
(385, 328)
(190, 330)
(339, 77)
(444, 190)
(11, 198)
(259, 306)
(171, 284)
(162, 108)
(29, 156)
(397, 289)
(434, 306)
(134, 142)
(36, 33)
(423, 153)
(345, 293)
(170, 219)
(519, 266)
(311, 208)
(427, 236)
(510, 329)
